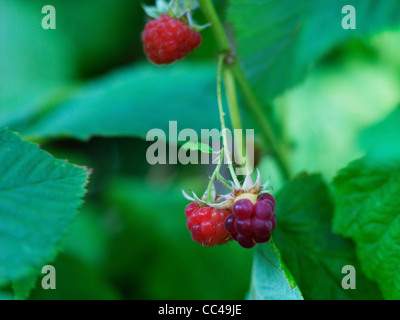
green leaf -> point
(132, 101)
(312, 252)
(39, 198)
(23, 286)
(382, 141)
(30, 83)
(368, 202)
(280, 40)
(270, 279)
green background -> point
(86, 93)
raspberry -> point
(250, 224)
(267, 197)
(263, 210)
(206, 224)
(167, 39)
(243, 208)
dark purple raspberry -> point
(243, 226)
(243, 208)
(260, 226)
(250, 224)
(268, 198)
(229, 224)
(262, 239)
(245, 242)
(273, 221)
(263, 210)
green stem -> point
(230, 89)
(222, 120)
(232, 98)
(252, 101)
(219, 32)
(214, 175)
(223, 181)
(262, 121)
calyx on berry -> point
(248, 213)
(248, 190)
(177, 9)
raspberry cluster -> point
(167, 39)
(250, 224)
(206, 224)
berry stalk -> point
(223, 127)
(252, 102)
(216, 26)
(233, 104)
(217, 175)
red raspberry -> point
(167, 39)
(250, 224)
(206, 224)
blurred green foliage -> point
(87, 94)
(367, 211)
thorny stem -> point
(223, 181)
(252, 101)
(217, 175)
(223, 127)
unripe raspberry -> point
(206, 224)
